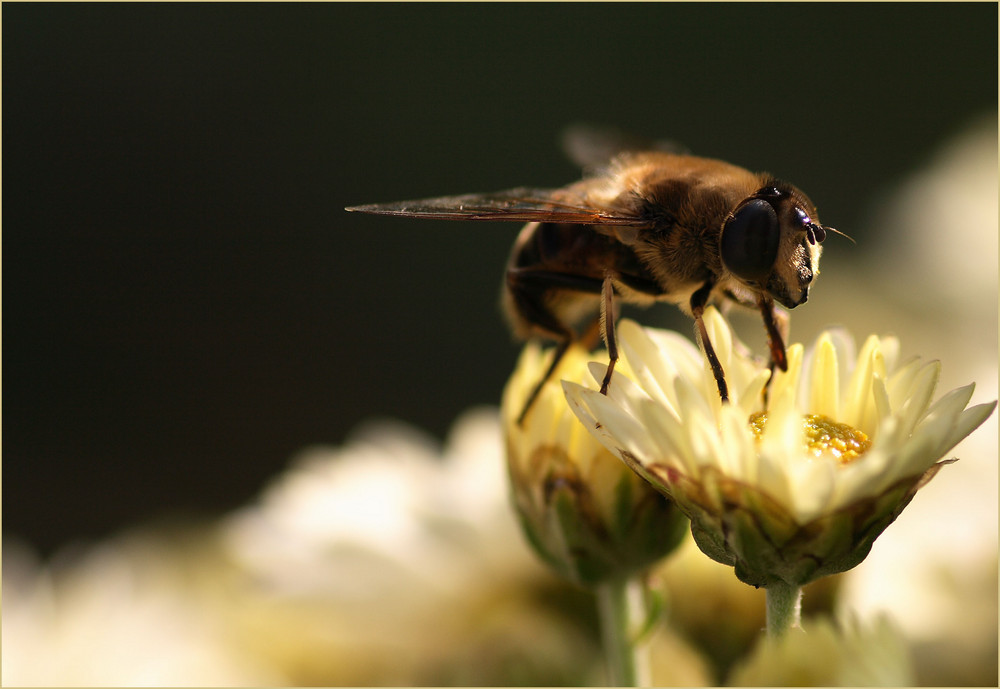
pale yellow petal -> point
(750, 398)
(824, 381)
(621, 389)
(900, 382)
(654, 372)
(921, 392)
(859, 408)
(968, 421)
(671, 437)
(787, 382)
(882, 405)
(813, 480)
(738, 444)
(616, 429)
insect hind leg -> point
(560, 350)
(529, 289)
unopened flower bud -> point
(584, 512)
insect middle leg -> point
(776, 325)
(607, 320)
(698, 301)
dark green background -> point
(186, 304)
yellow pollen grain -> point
(823, 435)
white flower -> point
(396, 560)
(139, 610)
(847, 442)
(390, 503)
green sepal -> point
(762, 542)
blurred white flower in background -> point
(138, 610)
(384, 560)
(388, 498)
(940, 228)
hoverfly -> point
(649, 226)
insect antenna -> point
(842, 234)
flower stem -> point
(621, 608)
(784, 608)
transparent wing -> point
(523, 204)
(593, 147)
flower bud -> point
(583, 511)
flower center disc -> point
(822, 434)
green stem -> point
(621, 607)
(784, 607)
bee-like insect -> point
(649, 226)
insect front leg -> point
(776, 325)
(698, 301)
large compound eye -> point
(750, 240)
